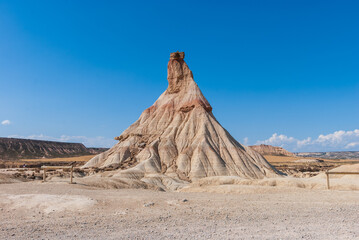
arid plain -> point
(221, 210)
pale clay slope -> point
(178, 140)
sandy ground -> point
(58, 210)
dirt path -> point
(62, 211)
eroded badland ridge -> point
(16, 148)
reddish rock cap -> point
(177, 55)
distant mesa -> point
(178, 140)
(16, 148)
(354, 155)
(278, 151)
(271, 150)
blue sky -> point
(277, 72)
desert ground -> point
(58, 210)
(225, 208)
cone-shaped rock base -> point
(178, 140)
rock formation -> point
(178, 140)
(271, 150)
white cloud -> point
(6, 122)
(87, 141)
(352, 145)
(245, 141)
(337, 141)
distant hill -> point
(331, 155)
(15, 148)
(96, 150)
(271, 150)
